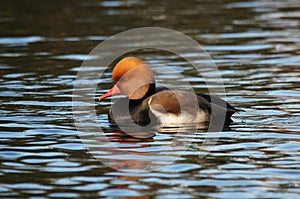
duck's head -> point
(131, 77)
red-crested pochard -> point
(144, 103)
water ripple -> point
(255, 45)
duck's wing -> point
(177, 107)
(176, 101)
(219, 105)
(218, 100)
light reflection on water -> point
(255, 45)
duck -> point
(145, 104)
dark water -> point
(256, 46)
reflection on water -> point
(127, 152)
(256, 47)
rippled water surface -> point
(256, 46)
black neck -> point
(150, 92)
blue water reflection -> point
(255, 45)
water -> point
(256, 47)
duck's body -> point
(146, 104)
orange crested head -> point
(132, 78)
(124, 66)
